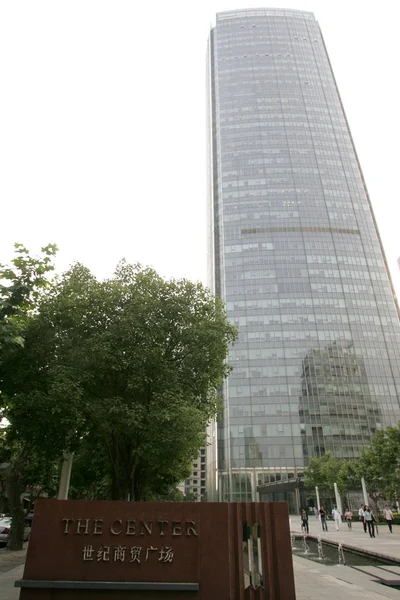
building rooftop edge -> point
(253, 12)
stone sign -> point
(181, 550)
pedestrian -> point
(389, 517)
(322, 514)
(336, 517)
(369, 518)
(348, 515)
(361, 515)
(304, 520)
(315, 509)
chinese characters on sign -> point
(154, 551)
(137, 554)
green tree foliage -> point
(22, 286)
(25, 472)
(90, 477)
(190, 497)
(379, 464)
(129, 367)
(170, 494)
(324, 472)
(349, 477)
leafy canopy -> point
(131, 366)
(379, 464)
(21, 286)
(323, 472)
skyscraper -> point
(296, 255)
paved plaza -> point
(315, 581)
(384, 543)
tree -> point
(379, 464)
(171, 494)
(24, 470)
(349, 477)
(24, 282)
(132, 365)
(190, 497)
(90, 477)
(323, 472)
(22, 285)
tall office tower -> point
(296, 255)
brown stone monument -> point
(182, 550)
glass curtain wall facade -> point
(295, 253)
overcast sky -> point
(102, 124)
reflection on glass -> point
(252, 556)
(336, 410)
(246, 557)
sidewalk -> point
(11, 568)
(385, 544)
(9, 560)
(7, 580)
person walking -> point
(336, 517)
(322, 514)
(304, 520)
(348, 515)
(369, 518)
(315, 509)
(361, 515)
(388, 517)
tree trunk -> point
(115, 484)
(133, 492)
(375, 499)
(115, 491)
(119, 482)
(137, 486)
(15, 488)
